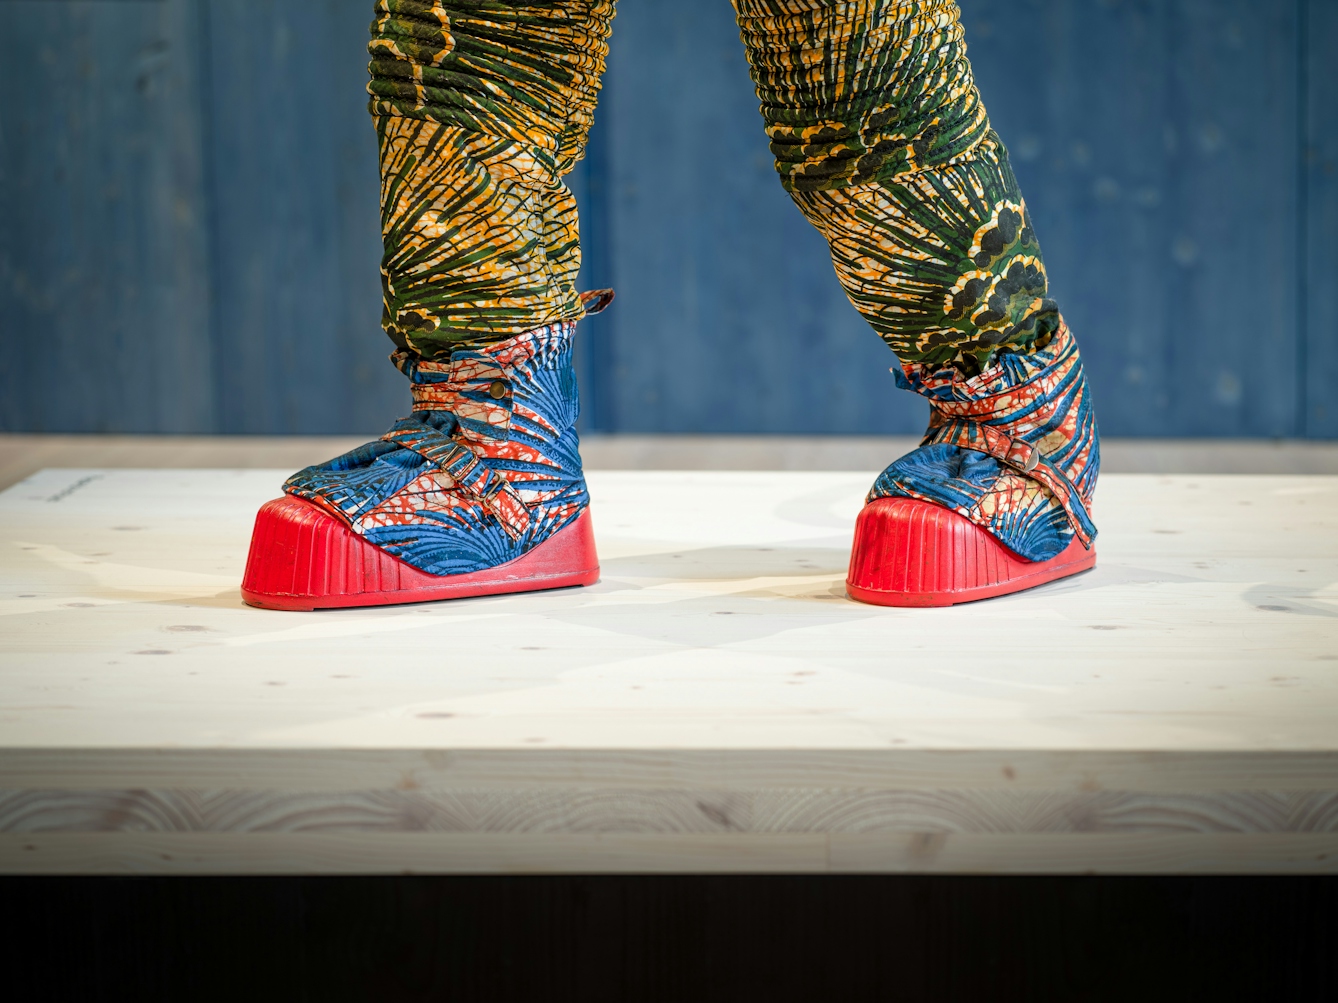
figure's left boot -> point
(480, 491)
(998, 496)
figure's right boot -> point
(479, 492)
(997, 498)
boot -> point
(478, 492)
(998, 496)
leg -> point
(881, 139)
(480, 109)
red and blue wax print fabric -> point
(485, 468)
(1014, 448)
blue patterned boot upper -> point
(485, 468)
(1014, 449)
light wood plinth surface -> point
(714, 704)
(24, 454)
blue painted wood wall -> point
(189, 240)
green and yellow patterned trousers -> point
(878, 131)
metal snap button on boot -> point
(497, 390)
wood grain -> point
(709, 771)
(1320, 223)
(284, 853)
(713, 704)
(104, 252)
(558, 810)
(23, 455)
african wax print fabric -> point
(1014, 449)
(882, 140)
(481, 106)
(486, 467)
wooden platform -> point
(22, 455)
(714, 704)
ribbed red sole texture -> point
(303, 559)
(909, 552)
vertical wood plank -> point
(296, 226)
(729, 317)
(1155, 143)
(1235, 328)
(1320, 404)
(589, 184)
(104, 292)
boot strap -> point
(596, 300)
(468, 471)
(1019, 455)
(478, 390)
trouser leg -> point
(480, 110)
(882, 140)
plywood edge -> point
(583, 811)
(924, 853)
(697, 769)
(1098, 853)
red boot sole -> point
(303, 559)
(909, 552)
